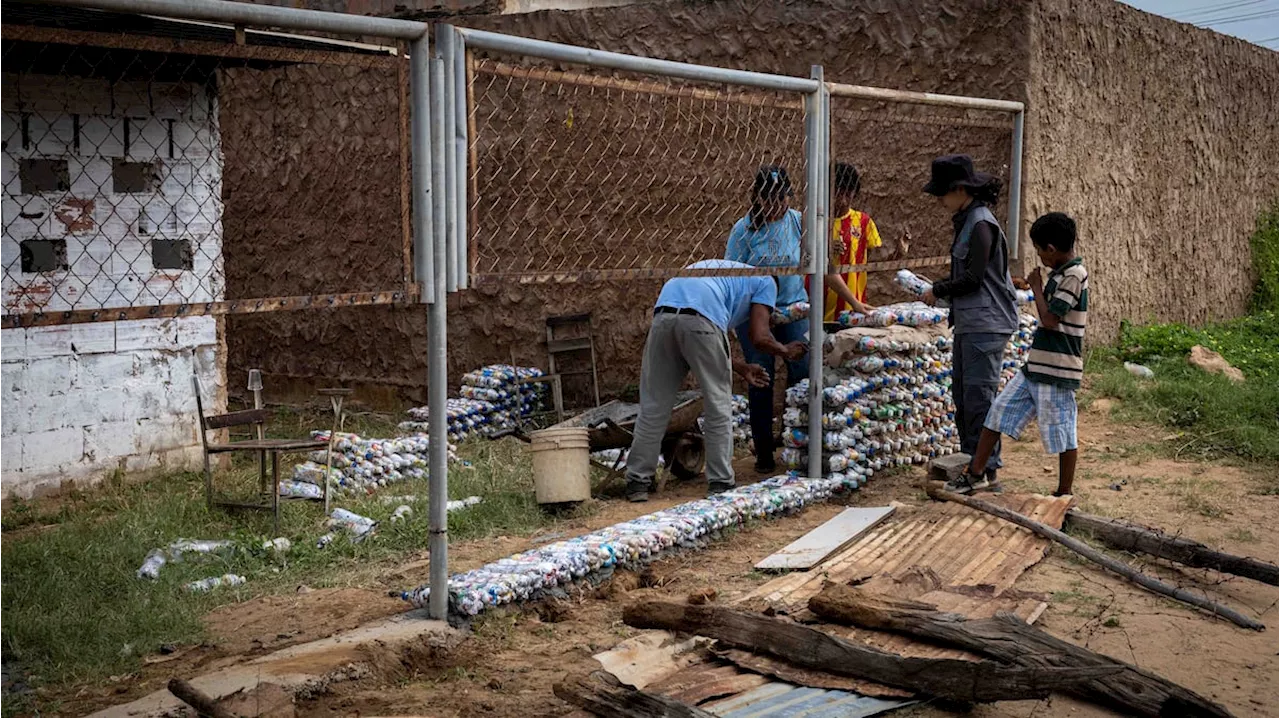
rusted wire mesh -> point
(581, 176)
(145, 176)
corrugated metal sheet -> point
(782, 700)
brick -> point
(48, 449)
(946, 468)
(146, 334)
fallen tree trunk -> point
(1089, 552)
(203, 704)
(1125, 536)
(602, 694)
(1007, 638)
(957, 680)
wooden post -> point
(1007, 638)
(202, 703)
(1089, 552)
(958, 680)
(604, 695)
(1131, 537)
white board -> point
(809, 550)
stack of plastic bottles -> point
(492, 400)
(529, 575)
(890, 406)
(362, 465)
(1015, 354)
(908, 314)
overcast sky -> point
(1253, 20)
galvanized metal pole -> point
(437, 387)
(462, 148)
(244, 13)
(816, 229)
(420, 137)
(444, 51)
(1014, 232)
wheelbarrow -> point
(610, 426)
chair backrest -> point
(235, 418)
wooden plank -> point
(602, 695)
(815, 546)
(963, 681)
(1006, 638)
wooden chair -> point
(263, 447)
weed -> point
(1112, 622)
(1241, 534)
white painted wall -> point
(81, 401)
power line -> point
(1238, 18)
(1211, 9)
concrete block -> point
(47, 413)
(70, 339)
(196, 332)
(113, 404)
(109, 441)
(946, 468)
(13, 346)
(51, 376)
(157, 435)
(146, 334)
(49, 449)
(11, 456)
(52, 133)
(103, 137)
(102, 370)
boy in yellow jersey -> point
(853, 236)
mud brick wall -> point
(973, 47)
(1161, 139)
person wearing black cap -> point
(980, 290)
(771, 235)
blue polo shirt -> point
(776, 244)
(726, 301)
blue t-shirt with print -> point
(726, 301)
(777, 244)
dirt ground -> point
(507, 667)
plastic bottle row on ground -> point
(361, 465)
(630, 544)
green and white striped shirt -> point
(1057, 355)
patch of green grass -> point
(74, 610)
(1265, 247)
(1241, 534)
(1214, 416)
(1111, 622)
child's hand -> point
(838, 247)
(1037, 283)
(904, 243)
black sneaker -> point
(638, 497)
(967, 483)
(715, 489)
(763, 468)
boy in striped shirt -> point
(1045, 389)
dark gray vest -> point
(993, 308)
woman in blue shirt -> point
(771, 235)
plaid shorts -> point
(1053, 407)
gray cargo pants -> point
(677, 344)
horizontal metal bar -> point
(891, 266)
(145, 43)
(238, 306)
(600, 275)
(243, 13)
(542, 74)
(906, 118)
(497, 42)
(838, 89)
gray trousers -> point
(678, 344)
(975, 381)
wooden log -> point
(1126, 536)
(1007, 638)
(202, 703)
(602, 694)
(957, 680)
(1089, 552)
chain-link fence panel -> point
(149, 176)
(583, 175)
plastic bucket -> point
(561, 465)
